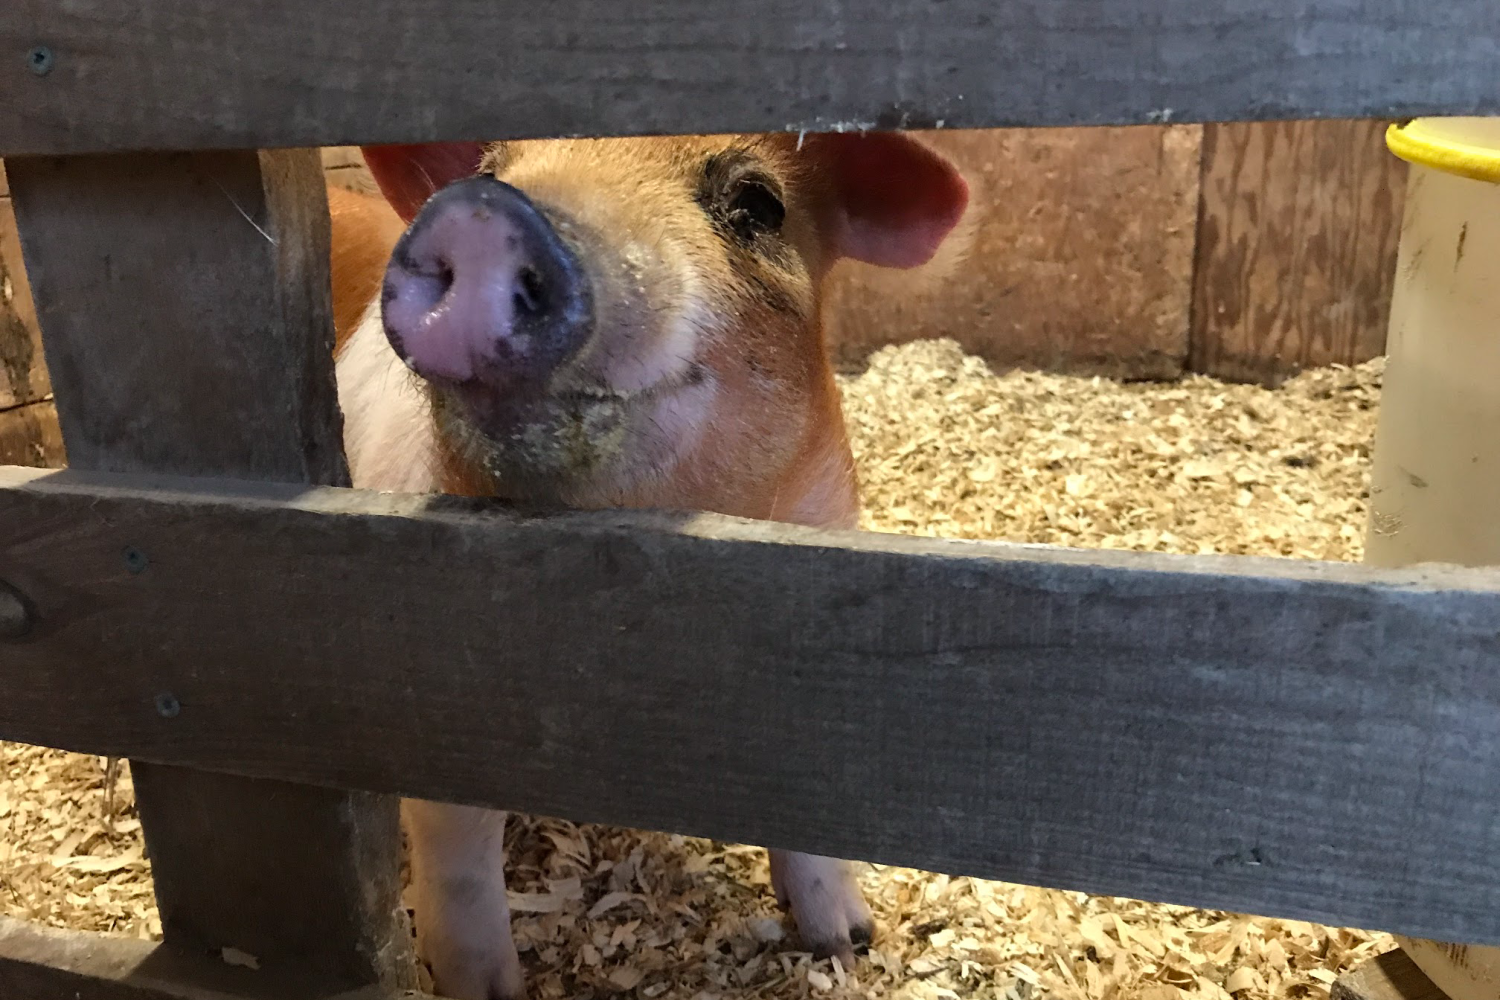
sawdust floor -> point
(946, 448)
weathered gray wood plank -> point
(174, 74)
(161, 282)
(39, 963)
(1268, 736)
(186, 317)
(304, 878)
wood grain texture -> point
(1296, 250)
(39, 963)
(23, 373)
(306, 879)
(161, 282)
(1207, 731)
(29, 435)
(184, 305)
(344, 166)
(1081, 259)
(1392, 976)
(288, 73)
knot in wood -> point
(40, 60)
(15, 615)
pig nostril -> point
(441, 276)
(421, 283)
(528, 296)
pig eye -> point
(754, 210)
(741, 198)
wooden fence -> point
(199, 593)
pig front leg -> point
(825, 900)
(458, 886)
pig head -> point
(634, 322)
(618, 323)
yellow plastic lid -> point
(1469, 147)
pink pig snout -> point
(482, 289)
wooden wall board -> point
(1296, 249)
(92, 76)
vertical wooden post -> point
(186, 318)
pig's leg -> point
(825, 899)
(458, 886)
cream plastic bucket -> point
(1435, 487)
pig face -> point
(595, 318)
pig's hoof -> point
(469, 973)
(825, 900)
(861, 934)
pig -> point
(600, 323)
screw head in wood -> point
(167, 705)
(136, 561)
(15, 613)
(40, 60)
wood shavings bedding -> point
(945, 447)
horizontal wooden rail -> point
(107, 75)
(43, 962)
(1269, 736)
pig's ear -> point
(409, 175)
(895, 200)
